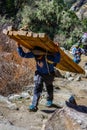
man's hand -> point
(18, 44)
(56, 43)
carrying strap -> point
(47, 62)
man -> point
(44, 73)
(77, 52)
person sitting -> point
(77, 52)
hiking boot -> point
(49, 103)
(33, 108)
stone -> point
(12, 106)
(25, 95)
(66, 119)
(14, 97)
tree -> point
(11, 7)
(44, 16)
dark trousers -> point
(39, 80)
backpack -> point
(84, 38)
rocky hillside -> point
(80, 10)
(15, 72)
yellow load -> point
(30, 40)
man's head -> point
(38, 57)
(38, 51)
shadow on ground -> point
(80, 108)
(51, 109)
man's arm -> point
(57, 55)
(23, 54)
(55, 58)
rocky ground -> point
(14, 113)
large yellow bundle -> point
(30, 40)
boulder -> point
(82, 12)
(15, 72)
(80, 9)
(67, 119)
